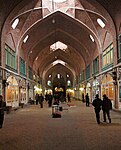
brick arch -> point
(10, 41)
(49, 67)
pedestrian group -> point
(105, 105)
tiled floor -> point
(33, 128)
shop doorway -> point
(59, 88)
(12, 91)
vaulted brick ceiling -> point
(72, 31)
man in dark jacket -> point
(41, 99)
(97, 103)
(50, 98)
(2, 108)
(87, 99)
(106, 107)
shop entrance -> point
(59, 89)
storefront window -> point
(22, 67)
(107, 86)
(10, 57)
(88, 72)
(12, 90)
(30, 72)
(107, 56)
(96, 65)
(88, 90)
(95, 88)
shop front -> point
(31, 90)
(23, 91)
(81, 92)
(70, 91)
(76, 92)
(95, 88)
(12, 91)
(37, 89)
(107, 87)
(88, 90)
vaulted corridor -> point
(61, 49)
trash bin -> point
(55, 111)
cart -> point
(56, 111)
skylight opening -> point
(91, 37)
(58, 45)
(26, 38)
(50, 76)
(58, 62)
(36, 58)
(101, 23)
(15, 23)
(58, 75)
(58, 1)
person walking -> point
(83, 97)
(2, 108)
(87, 99)
(46, 96)
(50, 98)
(37, 98)
(97, 103)
(106, 107)
(68, 96)
(41, 99)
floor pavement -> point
(33, 128)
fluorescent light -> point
(91, 37)
(15, 23)
(100, 22)
(26, 38)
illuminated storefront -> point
(31, 90)
(70, 91)
(37, 89)
(23, 91)
(95, 88)
(107, 87)
(88, 89)
(76, 92)
(12, 92)
(81, 91)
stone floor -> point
(33, 128)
